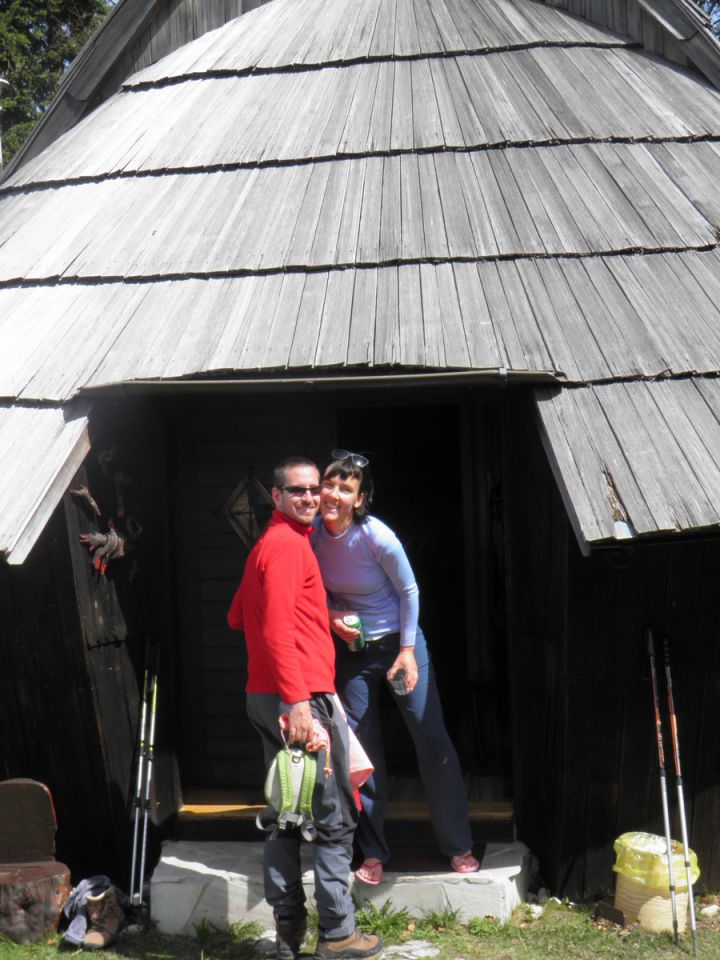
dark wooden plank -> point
(536, 583)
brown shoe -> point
(358, 946)
(105, 918)
(289, 937)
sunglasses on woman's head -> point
(357, 458)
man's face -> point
(299, 503)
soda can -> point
(398, 682)
(354, 621)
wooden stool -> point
(33, 885)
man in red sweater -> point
(281, 606)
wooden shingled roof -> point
(637, 457)
(392, 185)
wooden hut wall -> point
(129, 608)
(584, 749)
(537, 541)
(49, 727)
(71, 662)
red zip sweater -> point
(281, 606)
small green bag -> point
(289, 787)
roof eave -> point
(314, 381)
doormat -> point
(414, 858)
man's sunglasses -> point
(357, 458)
(301, 491)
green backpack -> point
(289, 787)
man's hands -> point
(406, 658)
(300, 722)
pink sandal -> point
(465, 863)
(371, 871)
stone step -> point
(221, 882)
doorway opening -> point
(437, 471)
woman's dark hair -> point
(345, 469)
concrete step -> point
(221, 882)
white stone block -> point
(220, 883)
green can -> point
(354, 621)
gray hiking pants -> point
(335, 816)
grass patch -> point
(434, 921)
(390, 923)
(561, 932)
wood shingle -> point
(399, 184)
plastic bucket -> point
(643, 888)
(651, 907)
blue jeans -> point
(334, 814)
(359, 678)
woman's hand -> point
(406, 658)
(346, 633)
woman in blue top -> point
(366, 570)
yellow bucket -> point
(643, 887)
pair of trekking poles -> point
(145, 758)
(679, 784)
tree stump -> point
(31, 898)
(33, 885)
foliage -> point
(236, 940)
(712, 9)
(389, 922)
(240, 931)
(436, 921)
(38, 40)
(489, 928)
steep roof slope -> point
(498, 187)
(135, 34)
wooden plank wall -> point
(49, 728)
(536, 543)
(584, 749)
(128, 607)
(71, 661)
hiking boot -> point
(289, 937)
(105, 918)
(358, 946)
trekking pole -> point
(663, 780)
(148, 773)
(680, 792)
(139, 775)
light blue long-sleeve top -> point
(365, 569)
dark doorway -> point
(428, 489)
(438, 484)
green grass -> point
(562, 932)
(386, 921)
(434, 921)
